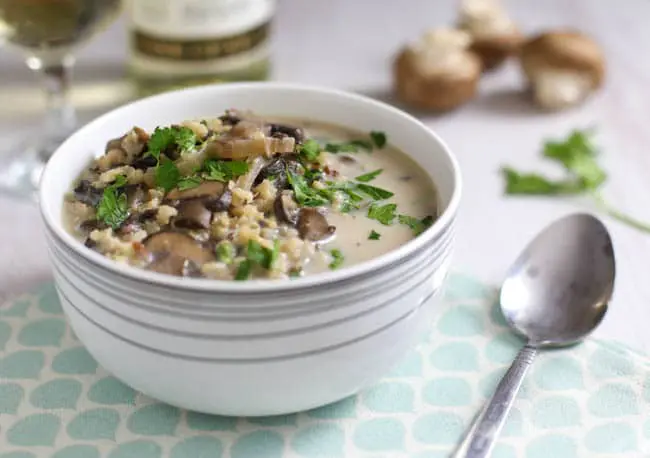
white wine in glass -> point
(47, 33)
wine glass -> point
(47, 32)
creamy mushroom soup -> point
(240, 197)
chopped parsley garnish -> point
(226, 252)
(167, 174)
(224, 171)
(310, 150)
(374, 235)
(243, 270)
(166, 137)
(366, 177)
(418, 226)
(112, 208)
(337, 259)
(583, 175)
(188, 183)
(305, 195)
(378, 138)
(257, 255)
(385, 214)
(347, 147)
(373, 192)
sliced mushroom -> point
(133, 142)
(280, 130)
(192, 214)
(214, 195)
(136, 194)
(231, 118)
(276, 170)
(144, 162)
(247, 139)
(113, 158)
(313, 226)
(88, 194)
(205, 189)
(255, 167)
(285, 208)
(171, 250)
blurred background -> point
(351, 44)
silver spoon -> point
(554, 295)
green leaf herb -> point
(112, 208)
(337, 259)
(224, 171)
(166, 137)
(167, 174)
(374, 192)
(305, 195)
(310, 150)
(188, 183)
(262, 256)
(336, 148)
(366, 177)
(374, 235)
(418, 226)
(577, 155)
(385, 214)
(243, 270)
(226, 252)
(378, 138)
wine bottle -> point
(179, 43)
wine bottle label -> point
(199, 30)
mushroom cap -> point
(439, 92)
(565, 50)
(494, 50)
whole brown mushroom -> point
(562, 67)
(438, 72)
(495, 37)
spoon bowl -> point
(558, 289)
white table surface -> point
(348, 44)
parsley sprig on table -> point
(112, 208)
(577, 154)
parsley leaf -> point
(337, 259)
(226, 252)
(188, 183)
(384, 214)
(113, 208)
(577, 154)
(378, 138)
(167, 174)
(341, 148)
(374, 192)
(374, 235)
(418, 226)
(224, 171)
(243, 270)
(305, 195)
(256, 254)
(366, 177)
(167, 137)
(310, 150)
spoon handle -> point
(486, 429)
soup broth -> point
(240, 197)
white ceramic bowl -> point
(258, 347)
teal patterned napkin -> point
(588, 401)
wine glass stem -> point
(60, 117)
